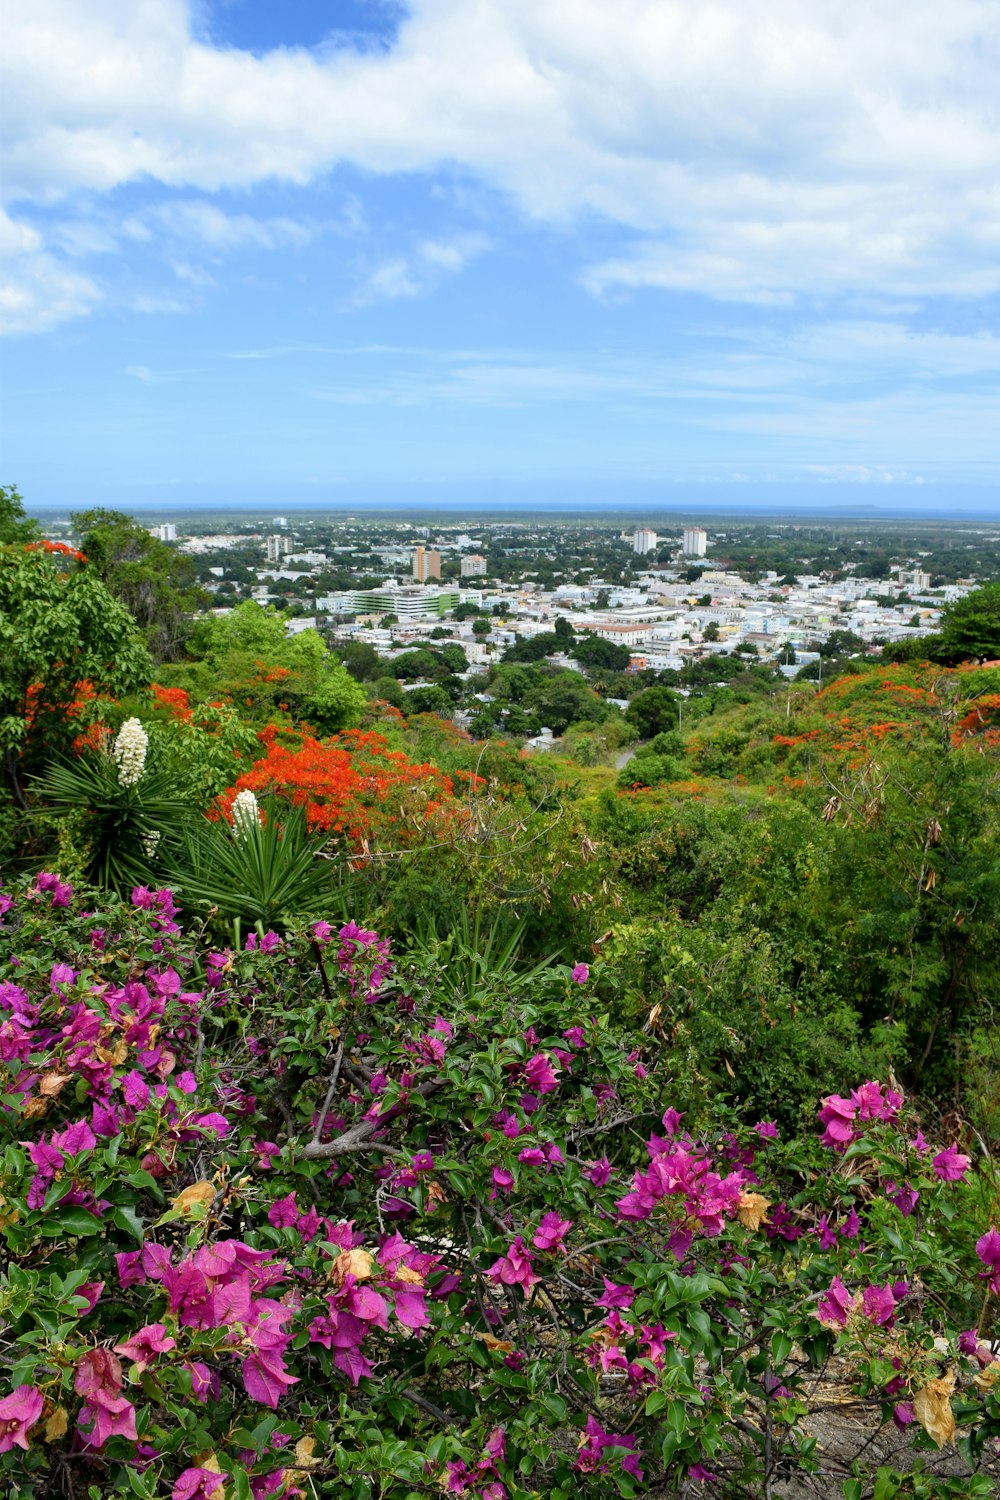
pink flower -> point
(143, 1347)
(503, 1179)
(283, 1212)
(322, 932)
(575, 1036)
(950, 1165)
(103, 1416)
(580, 974)
(767, 1130)
(600, 1172)
(551, 1232)
(19, 1411)
(539, 1074)
(61, 974)
(988, 1249)
(837, 1116)
(197, 1484)
(514, 1268)
(836, 1305)
(616, 1294)
(878, 1305)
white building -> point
(473, 567)
(165, 533)
(695, 541)
(277, 547)
(644, 540)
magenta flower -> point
(514, 1268)
(503, 1179)
(19, 1411)
(539, 1074)
(950, 1165)
(616, 1294)
(988, 1249)
(197, 1484)
(143, 1347)
(551, 1232)
(836, 1305)
(593, 1457)
(600, 1172)
(767, 1130)
(581, 973)
(836, 1115)
(61, 974)
(878, 1305)
(103, 1416)
(575, 1036)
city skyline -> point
(652, 258)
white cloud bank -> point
(752, 150)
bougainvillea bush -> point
(281, 1222)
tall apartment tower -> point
(644, 540)
(695, 541)
(166, 533)
(426, 564)
(473, 566)
(277, 547)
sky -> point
(673, 253)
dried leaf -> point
(409, 1275)
(193, 1202)
(435, 1195)
(52, 1084)
(492, 1343)
(728, 1067)
(752, 1211)
(987, 1379)
(304, 1453)
(35, 1106)
(356, 1263)
(57, 1425)
(932, 1408)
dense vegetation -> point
(387, 1112)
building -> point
(406, 603)
(695, 541)
(426, 564)
(165, 533)
(277, 547)
(473, 567)
(644, 540)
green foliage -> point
(970, 628)
(653, 711)
(268, 872)
(155, 582)
(58, 628)
(16, 528)
(127, 831)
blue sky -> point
(498, 251)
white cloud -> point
(38, 291)
(759, 150)
(420, 270)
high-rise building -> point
(473, 567)
(277, 547)
(426, 564)
(644, 540)
(695, 541)
(165, 533)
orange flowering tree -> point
(59, 629)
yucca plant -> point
(263, 869)
(131, 815)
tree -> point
(563, 629)
(970, 628)
(60, 628)
(565, 699)
(592, 651)
(156, 583)
(414, 664)
(16, 528)
(481, 628)
(250, 654)
(453, 656)
(711, 631)
(653, 711)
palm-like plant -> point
(129, 828)
(267, 871)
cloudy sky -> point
(333, 251)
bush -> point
(275, 1223)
